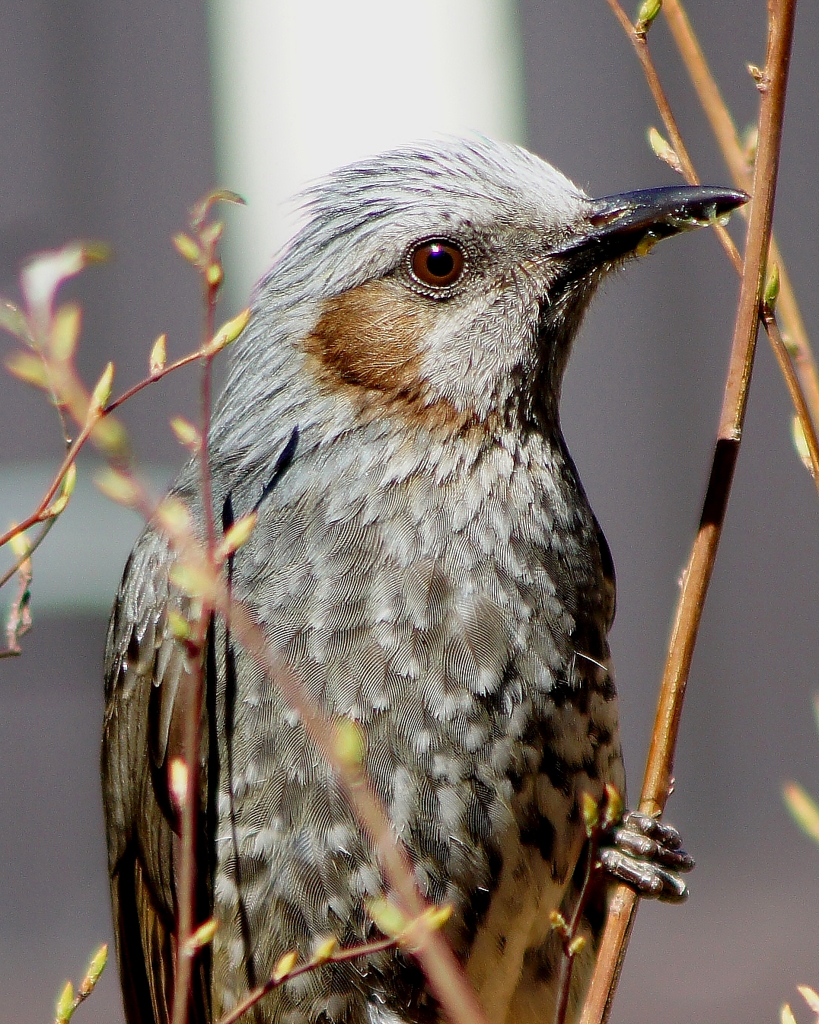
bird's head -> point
(445, 283)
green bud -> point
(387, 917)
(65, 1004)
(649, 10)
(772, 286)
(96, 965)
(285, 965)
(158, 356)
(803, 809)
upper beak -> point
(634, 220)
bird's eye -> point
(437, 263)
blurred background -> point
(115, 117)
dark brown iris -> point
(437, 263)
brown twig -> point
(343, 955)
(340, 957)
(804, 391)
(638, 41)
(38, 540)
(697, 576)
(211, 272)
(798, 396)
(724, 129)
(598, 818)
(41, 512)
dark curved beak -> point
(619, 224)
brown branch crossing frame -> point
(656, 784)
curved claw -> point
(647, 854)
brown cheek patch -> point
(370, 336)
(367, 345)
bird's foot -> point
(646, 854)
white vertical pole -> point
(302, 86)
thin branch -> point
(798, 346)
(598, 818)
(41, 513)
(342, 956)
(38, 540)
(727, 136)
(780, 350)
(697, 577)
(638, 41)
(195, 681)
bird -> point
(426, 563)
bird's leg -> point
(646, 854)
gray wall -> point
(105, 132)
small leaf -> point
(214, 274)
(285, 965)
(174, 516)
(388, 918)
(96, 966)
(56, 508)
(187, 248)
(202, 936)
(349, 743)
(236, 536)
(800, 443)
(437, 917)
(20, 546)
(194, 580)
(211, 233)
(186, 433)
(772, 286)
(118, 486)
(65, 1004)
(590, 812)
(65, 331)
(786, 1015)
(158, 356)
(325, 949)
(803, 809)
(558, 923)
(178, 625)
(576, 945)
(810, 996)
(28, 368)
(202, 208)
(41, 278)
(66, 490)
(69, 480)
(227, 333)
(664, 150)
(110, 436)
(758, 75)
(101, 392)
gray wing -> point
(145, 674)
